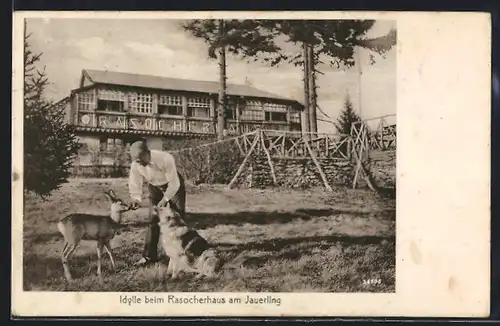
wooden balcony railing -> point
(169, 123)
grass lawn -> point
(274, 240)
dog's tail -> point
(215, 261)
(219, 263)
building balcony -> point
(161, 124)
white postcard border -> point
(443, 183)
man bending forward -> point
(165, 185)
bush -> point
(215, 163)
(50, 144)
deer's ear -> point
(110, 197)
(111, 192)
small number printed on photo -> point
(372, 281)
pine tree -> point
(239, 37)
(331, 42)
(344, 122)
(347, 117)
(49, 143)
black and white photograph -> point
(210, 155)
(222, 155)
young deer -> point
(100, 228)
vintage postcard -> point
(251, 164)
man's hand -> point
(162, 203)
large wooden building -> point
(113, 109)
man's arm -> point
(135, 183)
(173, 179)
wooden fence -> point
(287, 144)
(375, 133)
(99, 171)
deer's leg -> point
(68, 249)
(63, 252)
(64, 261)
(100, 245)
(107, 247)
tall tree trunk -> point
(312, 90)
(221, 125)
(305, 112)
(360, 73)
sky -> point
(160, 47)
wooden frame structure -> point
(289, 145)
(382, 137)
(364, 139)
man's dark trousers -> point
(178, 202)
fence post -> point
(242, 166)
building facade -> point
(112, 109)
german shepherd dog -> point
(187, 250)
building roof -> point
(166, 83)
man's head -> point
(140, 153)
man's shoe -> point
(144, 262)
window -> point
(252, 111)
(231, 113)
(141, 102)
(170, 105)
(254, 115)
(110, 100)
(253, 105)
(202, 102)
(106, 105)
(198, 112)
(86, 100)
(170, 100)
(169, 109)
(108, 144)
(111, 95)
(276, 116)
(232, 107)
(295, 117)
(199, 107)
(104, 143)
(273, 107)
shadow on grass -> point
(43, 237)
(320, 242)
(202, 221)
(40, 270)
(46, 272)
(276, 250)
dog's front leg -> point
(170, 267)
(175, 269)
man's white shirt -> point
(160, 171)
